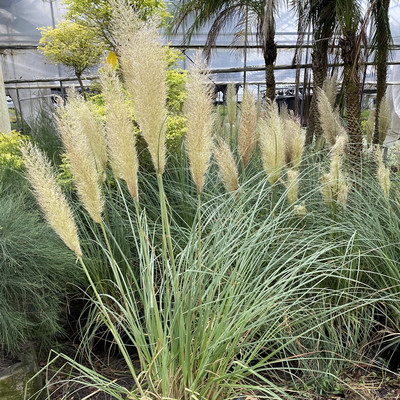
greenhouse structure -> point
(199, 200)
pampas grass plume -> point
(370, 126)
(247, 127)
(200, 115)
(397, 148)
(330, 88)
(91, 126)
(121, 139)
(334, 183)
(292, 185)
(49, 197)
(294, 142)
(227, 166)
(271, 143)
(383, 174)
(144, 67)
(383, 121)
(231, 105)
(82, 161)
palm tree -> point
(320, 14)
(382, 39)
(352, 35)
(222, 12)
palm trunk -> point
(381, 67)
(270, 53)
(320, 69)
(351, 80)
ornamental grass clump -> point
(144, 67)
(121, 137)
(227, 166)
(199, 110)
(247, 127)
(383, 173)
(78, 150)
(49, 197)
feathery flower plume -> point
(200, 122)
(82, 161)
(383, 174)
(292, 186)
(49, 197)
(330, 88)
(300, 210)
(294, 142)
(231, 105)
(397, 148)
(144, 68)
(227, 166)
(330, 120)
(370, 126)
(92, 127)
(271, 143)
(334, 184)
(284, 113)
(258, 107)
(247, 127)
(121, 140)
(383, 121)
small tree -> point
(97, 15)
(71, 44)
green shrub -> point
(35, 268)
(10, 155)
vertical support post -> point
(5, 126)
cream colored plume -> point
(271, 143)
(144, 67)
(247, 127)
(334, 184)
(294, 142)
(383, 174)
(200, 115)
(258, 108)
(292, 185)
(121, 139)
(82, 162)
(397, 148)
(284, 112)
(383, 121)
(370, 126)
(330, 119)
(330, 88)
(92, 127)
(49, 197)
(231, 104)
(227, 166)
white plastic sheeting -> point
(393, 100)
(19, 20)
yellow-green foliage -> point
(74, 45)
(10, 154)
(176, 81)
(97, 14)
